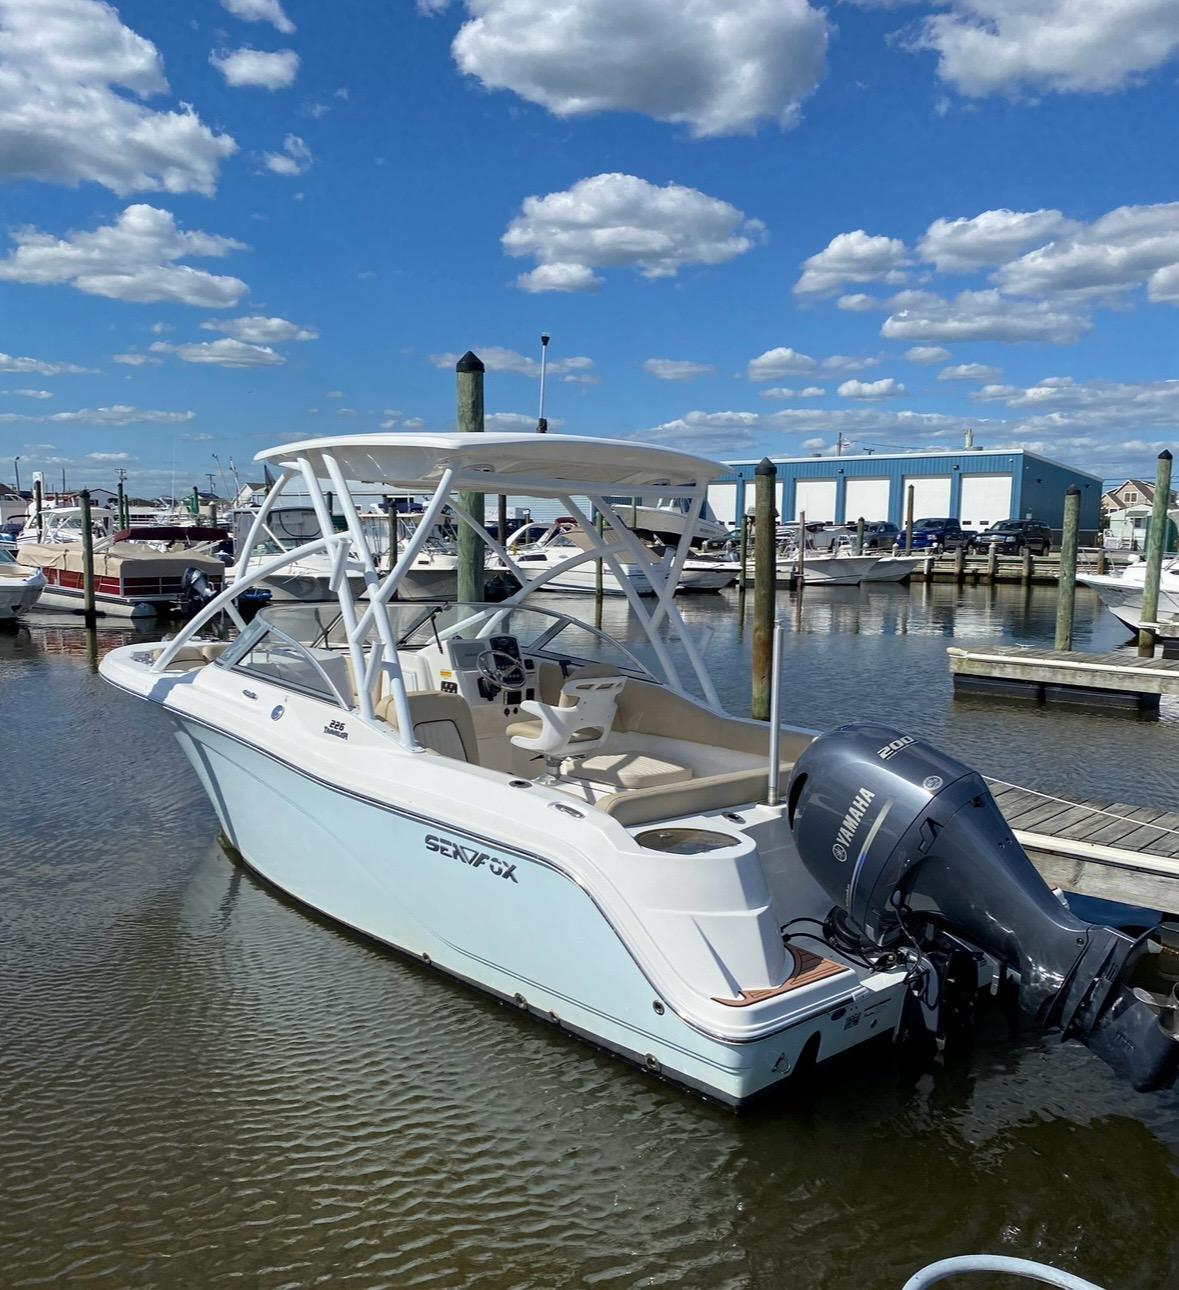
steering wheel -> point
(503, 670)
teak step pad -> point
(808, 968)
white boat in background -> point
(562, 547)
(1121, 593)
(307, 577)
(63, 524)
(512, 797)
(891, 568)
(21, 585)
(434, 572)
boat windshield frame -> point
(368, 631)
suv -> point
(1015, 537)
(945, 534)
(879, 535)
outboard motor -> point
(913, 849)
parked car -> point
(944, 534)
(1014, 537)
(879, 535)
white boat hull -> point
(830, 570)
(21, 593)
(892, 568)
(1122, 596)
(457, 900)
(107, 605)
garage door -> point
(722, 498)
(986, 499)
(815, 497)
(867, 499)
(931, 496)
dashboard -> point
(465, 677)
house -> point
(1133, 492)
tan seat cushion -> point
(708, 793)
(441, 722)
(628, 770)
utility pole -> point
(123, 509)
(16, 468)
(542, 425)
(839, 442)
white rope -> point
(1084, 806)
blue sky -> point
(747, 229)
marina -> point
(335, 1070)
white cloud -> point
(617, 221)
(676, 369)
(132, 259)
(270, 11)
(257, 329)
(775, 363)
(857, 303)
(336, 394)
(29, 394)
(510, 362)
(73, 81)
(347, 412)
(1121, 250)
(984, 315)
(1007, 46)
(119, 414)
(994, 237)
(812, 392)
(927, 354)
(109, 456)
(255, 67)
(222, 353)
(969, 372)
(852, 257)
(513, 422)
(715, 67)
(1163, 286)
(779, 392)
(136, 360)
(885, 388)
(849, 363)
(294, 159)
(38, 367)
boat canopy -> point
(528, 465)
(443, 466)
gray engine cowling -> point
(907, 841)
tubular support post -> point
(1156, 542)
(342, 589)
(223, 599)
(385, 649)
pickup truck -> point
(943, 534)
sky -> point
(228, 224)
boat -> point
(130, 580)
(434, 572)
(575, 825)
(63, 524)
(309, 577)
(891, 568)
(828, 570)
(21, 586)
(561, 551)
(1121, 594)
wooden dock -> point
(1064, 676)
(1109, 850)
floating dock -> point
(1064, 676)
(1108, 850)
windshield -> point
(1009, 526)
(931, 524)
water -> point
(205, 1085)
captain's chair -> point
(579, 726)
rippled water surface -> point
(201, 1084)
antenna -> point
(221, 471)
(542, 425)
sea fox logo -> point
(850, 823)
(471, 856)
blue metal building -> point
(978, 486)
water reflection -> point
(204, 1084)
